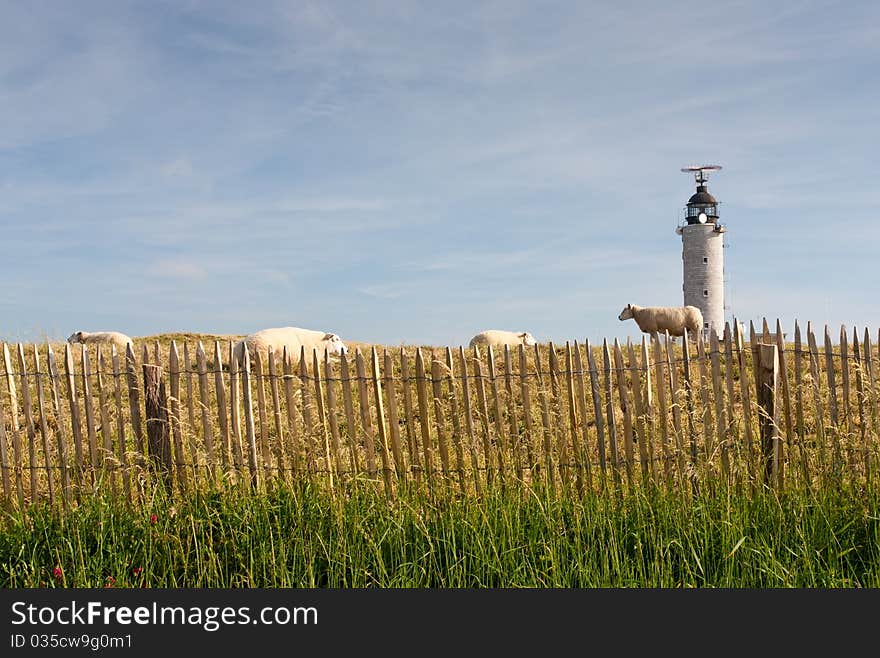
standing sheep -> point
(500, 338)
(101, 337)
(293, 338)
(657, 319)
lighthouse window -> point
(705, 325)
(705, 293)
(705, 260)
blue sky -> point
(417, 172)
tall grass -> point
(307, 537)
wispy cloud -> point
(277, 276)
(177, 269)
(330, 205)
(461, 261)
(390, 291)
(178, 168)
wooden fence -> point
(735, 410)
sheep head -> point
(527, 339)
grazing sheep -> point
(293, 338)
(657, 319)
(101, 337)
(500, 338)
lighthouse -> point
(703, 252)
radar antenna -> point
(701, 171)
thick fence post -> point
(768, 374)
(156, 407)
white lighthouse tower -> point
(703, 253)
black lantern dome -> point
(702, 208)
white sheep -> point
(500, 338)
(102, 337)
(657, 319)
(293, 338)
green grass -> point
(308, 538)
